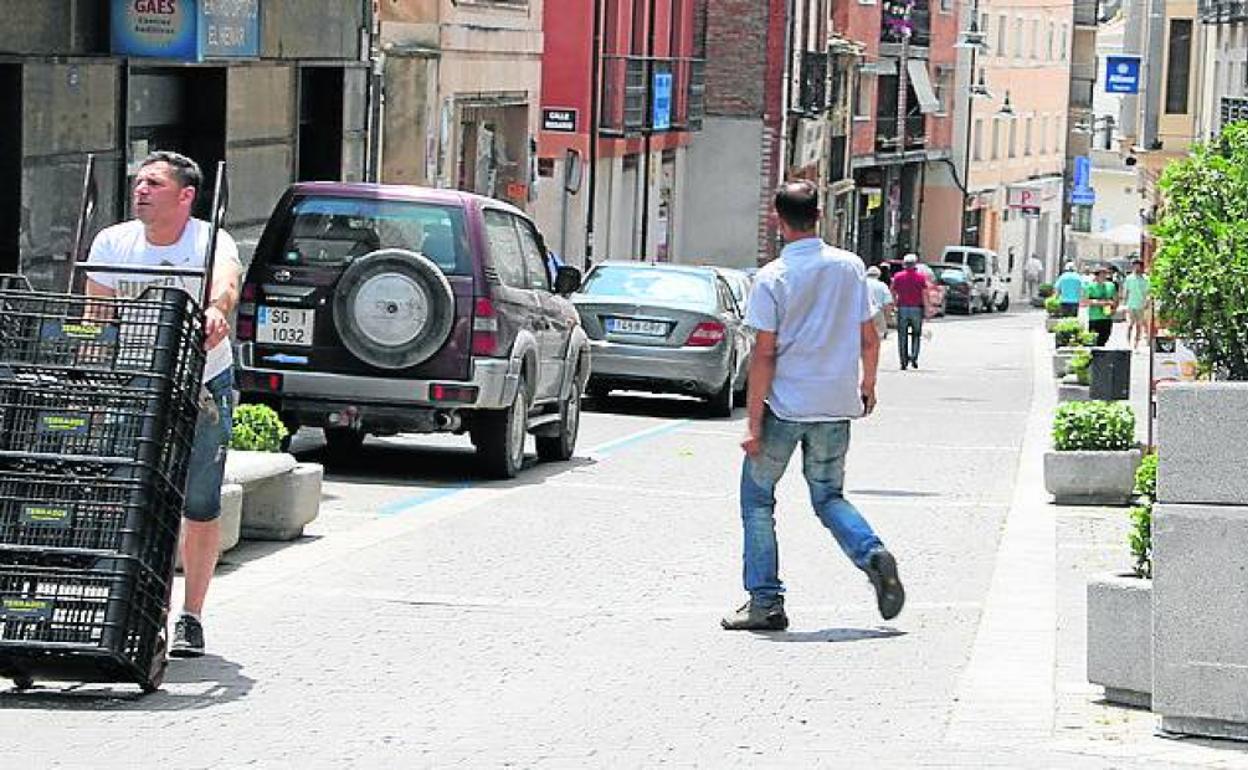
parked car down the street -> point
(985, 266)
(380, 309)
(962, 294)
(665, 329)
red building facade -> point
(649, 80)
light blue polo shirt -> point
(1069, 288)
(815, 298)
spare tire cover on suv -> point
(393, 308)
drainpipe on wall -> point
(372, 54)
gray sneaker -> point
(757, 617)
(188, 638)
(890, 594)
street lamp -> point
(971, 39)
(1006, 110)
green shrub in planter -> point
(1140, 538)
(1146, 477)
(1045, 291)
(1087, 339)
(257, 428)
(1093, 426)
(1080, 365)
(1068, 333)
(1052, 305)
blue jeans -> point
(909, 333)
(824, 446)
(212, 439)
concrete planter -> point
(1120, 638)
(1050, 323)
(1061, 361)
(1200, 628)
(1072, 391)
(1200, 556)
(1091, 478)
(1200, 432)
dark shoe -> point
(890, 595)
(188, 638)
(903, 366)
(757, 617)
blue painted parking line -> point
(611, 447)
(421, 499)
(408, 504)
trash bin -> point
(1110, 375)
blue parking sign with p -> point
(1122, 75)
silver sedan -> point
(664, 329)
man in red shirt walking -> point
(909, 288)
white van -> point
(985, 265)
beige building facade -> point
(1018, 131)
(461, 95)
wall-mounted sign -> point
(1122, 74)
(186, 30)
(560, 119)
(662, 113)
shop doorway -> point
(10, 167)
(320, 124)
(181, 109)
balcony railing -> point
(628, 84)
(886, 133)
(1222, 11)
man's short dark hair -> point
(185, 170)
(797, 204)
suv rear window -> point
(330, 232)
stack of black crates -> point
(98, 403)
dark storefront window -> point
(1178, 66)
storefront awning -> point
(917, 70)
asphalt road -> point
(570, 618)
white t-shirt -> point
(126, 244)
(815, 298)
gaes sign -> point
(186, 30)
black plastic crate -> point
(96, 414)
(104, 622)
(159, 333)
(131, 511)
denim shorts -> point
(212, 439)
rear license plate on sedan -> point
(635, 326)
(284, 325)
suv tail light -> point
(484, 328)
(707, 334)
(245, 326)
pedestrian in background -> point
(164, 233)
(813, 370)
(1032, 272)
(882, 300)
(1137, 296)
(1069, 288)
(1101, 300)
(910, 293)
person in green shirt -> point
(1137, 294)
(1100, 297)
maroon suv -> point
(385, 309)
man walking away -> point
(163, 233)
(1031, 275)
(881, 300)
(811, 309)
(1137, 303)
(1069, 288)
(1101, 300)
(910, 290)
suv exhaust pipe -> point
(448, 421)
